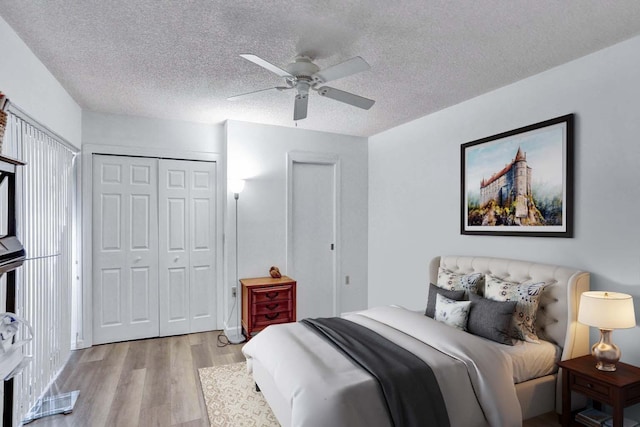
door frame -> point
(85, 329)
(317, 159)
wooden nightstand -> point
(617, 389)
(267, 301)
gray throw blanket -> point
(408, 384)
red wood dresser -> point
(267, 301)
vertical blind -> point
(46, 199)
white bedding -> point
(531, 360)
(325, 388)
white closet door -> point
(125, 248)
(187, 256)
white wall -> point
(258, 153)
(28, 84)
(414, 183)
(156, 134)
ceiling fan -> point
(303, 75)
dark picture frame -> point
(520, 182)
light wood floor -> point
(151, 382)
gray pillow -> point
(431, 301)
(491, 319)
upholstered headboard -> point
(557, 318)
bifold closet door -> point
(187, 246)
(125, 248)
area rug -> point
(231, 397)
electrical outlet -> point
(346, 280)
(234, 291)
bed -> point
(307, 382)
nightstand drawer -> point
(275, 293)
(592, 388)
(272, 307)
(271, 319)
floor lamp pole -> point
(237, 338)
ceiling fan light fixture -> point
(303, 75)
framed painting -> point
(520, 182)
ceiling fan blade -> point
(265, 64)
(343, 69)
(250, 94)
(346, 97)
(300, 107)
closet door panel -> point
(140, 288)
(173, 219)
(187, 242)
(202, 256)
(177, 302)
(110, 294)
(125, 248)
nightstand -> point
(617, 389)
(267, 301)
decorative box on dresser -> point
(618, 389)
(267, 301)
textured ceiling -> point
(179, 59)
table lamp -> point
(606, 311)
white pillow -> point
(451, 312)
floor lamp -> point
(236, 187)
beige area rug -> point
(232, 399)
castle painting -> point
(510, 187)
(519, 182)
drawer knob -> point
(272, 295)
(272, 316)
(589, 385)
(272, 306)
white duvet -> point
(325, 388)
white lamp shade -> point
(607, 310)
(236, 186)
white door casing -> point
(187, 246)
(125, 249)
(313, 232)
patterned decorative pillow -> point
(447, 279)
(431, 302)
(527, 296)
(451, 312)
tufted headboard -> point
(557, 319)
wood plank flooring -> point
(151, 382)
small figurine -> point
(275, 272)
